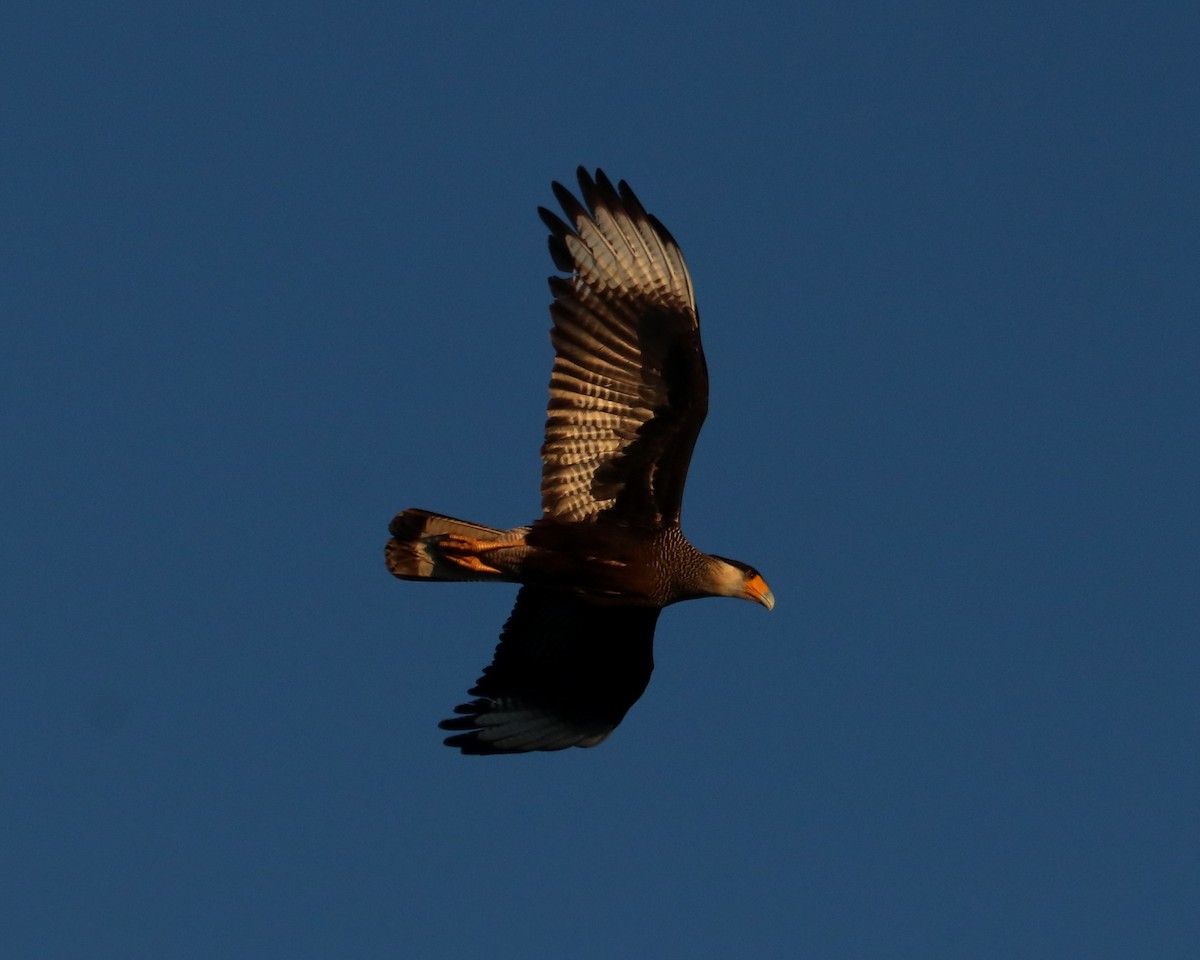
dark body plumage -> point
(628, 394)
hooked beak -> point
(757, 589)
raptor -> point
(628, 395)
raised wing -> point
(565, 673)
(629, 388)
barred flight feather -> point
(626, 306)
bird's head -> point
(736, 579)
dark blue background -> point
(272, 272)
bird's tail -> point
(429, 546)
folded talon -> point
(474, 564)
(460, 544)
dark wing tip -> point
(469, 735)
(586, 183)
(567, 200)
(661, 230)
(467, 714)
(558, 248)
(552, 220)
(467, 738)
(471, 746)
(598, 193)
(632, 203)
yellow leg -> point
(464, 551)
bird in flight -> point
(628, 394)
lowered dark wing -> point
(629, 388)
(565, 673)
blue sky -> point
(272, 272)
